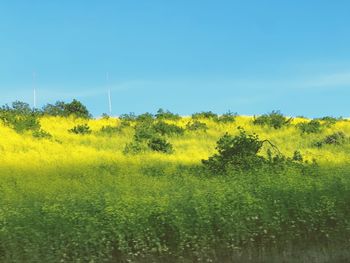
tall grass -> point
(78, 198)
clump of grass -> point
(81, 129)
(41, 134)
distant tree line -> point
(60, 108)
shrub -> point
(145, 117)
(314, 126)
(196, 126)
(336, 138)
(20, 123)
(160, 145)
(128, 117)
(164, 128)
(20, 117)
(240, 151)
(297, 156)
(110, 129)
(205, 115)
(78, 109)
(274, 119)
(227, 117)
(81, 129)
(60, 108)
(329, 120)
(144, 131)
(105, 116)
(21, 108)
(57, 109)
(166, 115)
(25, 123)
(41, 134)
(134, 147)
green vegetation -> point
(157, 188)
(274, 119)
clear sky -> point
(246, 56)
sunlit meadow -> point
(80, 198)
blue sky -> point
(249, 57)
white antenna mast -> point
(109, 95)
(34, 90)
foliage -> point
(166, 115)
(128, 117)
(205, 115)
(159, 144)
(164, 128)
(336, 138)
(329, 120)
(274, 119)
(144, 131)
(196, 126)
(60, 108)
(105, 116)
(134, 147)
(20, 117)
(313, 126)
(108, 129)
(81, 129)
(239, 152)
(151, 133)
(145, 117)
(79, 199)
(226, 117)
(41, 134)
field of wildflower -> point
(99, 193)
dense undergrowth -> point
(165, 188)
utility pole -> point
(34, 90)
(109, 95)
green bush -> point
(205, 115)
(80, 129)
(314, 126)
(160, 145)
(166, 115)
(144, 131)
(227, 117)
(236, 152)
(274, 119)
(105, 116)
(241, 152)
(336, 138)
(110, 129)
(196, 126)
(134, 147)
(41, 134)
(145, 117)
(20, 117)
(128, 117)
(60, 108)
(329, 120)
(164, 128)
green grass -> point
(81, 200)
